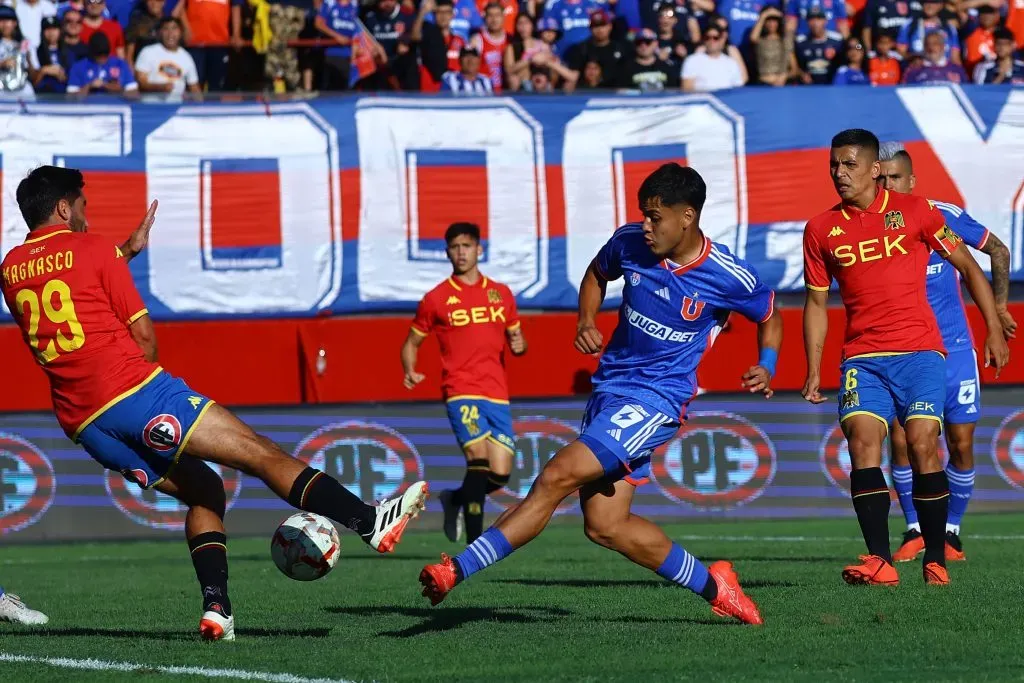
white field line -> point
(130, 667)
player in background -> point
(13, 610)
(679, 290)
(472, 316)
(876, 244)
(963, 385)
(73, 297)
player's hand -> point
(412, 379)
(517, 342)
(139, 239)
(996, 351)
(812, 391)
(1008, 323)
(588, 339)
(757, 379)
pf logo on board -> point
(27, 483)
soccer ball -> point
(305, 547)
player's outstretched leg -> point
(222, 438)
(197, 486)
(13, 610)
(960, 473)
(903, 481)
(608, 522)
(931, 495)
(572, 467)
(864, 434)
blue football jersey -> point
(944, 292)
(670, 316)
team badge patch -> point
(894, 220)
(634, 279)
(494, 296)
(948, 239)
(849, 399)
(162, 433)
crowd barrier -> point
(737, 457)
(340, 205)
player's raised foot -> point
(731, 600)
(13, 610)
(912, 546)
(438, 579)
(393, 516)
(935, 574)
(215, 626)
(454, 522)
(954, 548)
(873, 570)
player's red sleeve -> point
(117, 282)
(512, 322)
(934, 231)
(816, 274)
(424, 320)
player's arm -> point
(139, 239)
(769, 341)
(124, 298)
(514, 327)
(592, 293)
(144, 334)
(1000, 256)
(996, 350)
(418, 331)
(815, 320)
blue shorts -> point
(905, 386)
(474, 418)
(963, 387)
(623, 432)
(142, 435)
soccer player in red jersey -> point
(875, 244)
(73, 297)
(472, 316)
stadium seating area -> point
(479, 47)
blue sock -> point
(683, 568)
(490, 547)
(961, 485)
(903, 481)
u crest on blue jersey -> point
(691, 309)
(634, 279)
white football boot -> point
(393, 515)
(12, 609)
(215, 626)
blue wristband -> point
(768, 359)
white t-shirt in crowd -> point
(712, 73)
(163, 66)
(30, 19)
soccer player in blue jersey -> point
(679, 290)
(963, 386)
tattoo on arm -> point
(1000, 256)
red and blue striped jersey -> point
(670, 316)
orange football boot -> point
(731, 601)
(438, 579)
(935, 574)
(954, 548)
(913, 545)
(873, 570)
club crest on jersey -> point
(948, 239)
(691, 309)
(634, 279)
(894, 220)
(493, 296)
(162, 433)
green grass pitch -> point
(559, 609)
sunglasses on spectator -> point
(712, 36)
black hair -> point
(99, 45)
(169, 20)
(673, 184)
(456, 229)
(1003, 34)
(857, 137)
(445, 3)
(493, 4)
(41, 190)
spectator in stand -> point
(722, 24)
(142, 28)
(509, 8)
(770, 48)
(387, 21)
(30, 18)
(1004, 68)
(742, 16)
(101, 72)
(94, 22)
(798, 14)
(814, 54)
(980, 44)
(573, 17)
(599, 47)
(675, 42)
(337, 21)
(166, 67)
(15, 72)
(491, 43)
(523, 51)
(71, 35)
(467, 80)
(550, 33)
(936, 66)
(466, 20)
(540, 82)
(591, 78)
(78, 6)
(439, 46)
(852, 72)
(886, 17)
(712, 68)
(885, 63)
(644, 71)
(51, 61)
(208, 30)
(912, 36)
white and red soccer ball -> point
(305, 547)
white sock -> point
(916, 526)
(952, 527)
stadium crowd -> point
(176, 48)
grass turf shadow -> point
(440, 619)
(166, 635)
